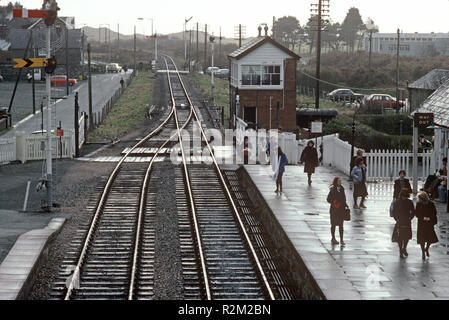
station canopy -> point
(438, 104)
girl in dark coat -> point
(401, 183)
(337, 200)
(310, 158)
(403, 213)
(427, 219)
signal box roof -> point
(257, 43)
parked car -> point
(345, 95)
(113, 68)
(37, 75)
(222, 73)
(382, 100)
(61, 81)
(209, 70)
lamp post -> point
(82, 49)
(351, 161)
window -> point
(257, 75)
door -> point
(250, 115)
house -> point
(422, 88)
(263, 77)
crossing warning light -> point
(51, 65)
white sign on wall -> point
(316, 128)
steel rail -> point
(143, 197)
(98, 212)
(228, 193)
(189, 188)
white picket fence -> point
(7, 150)
(386, 164)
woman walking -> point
(426, 213)
(400, 184)
(283, 161)
(403, 213)
(358, 175)
(337, 200)
(310, 158)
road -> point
(103, 87)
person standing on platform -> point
(310, 159)
(403, 213)
(358, 175)
(282, 161)
(400, 184)
(426, 213)
(337, 200)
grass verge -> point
(128, 113)
(203, 84)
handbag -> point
(392, 209)
(347, 214)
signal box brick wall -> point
(261, 100)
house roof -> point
(19, 38)
(431, 81)
(438, 104)
(257, 43)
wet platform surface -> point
(369, 266)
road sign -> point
(25, 13)
(316, 127)
(60, 133)
(424, 120)
(31, 63)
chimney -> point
(260, 31)
(266, 31)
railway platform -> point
(369, 266)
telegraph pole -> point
(89, 73)
(32, 79)
(197, 45)
(205, 48)
(397, 71)
(321, 11)
(240, 35)
(135, 39)
(212, 39)
(118, 38)
(219, 53)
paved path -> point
(369, 265)
(103, 87)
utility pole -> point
(370, 49)
(48, 146)
(219, 50)
(321, 11)
(184, 38)
(190, 48)
(197, 45)
(32, 54)
(67, 59)
(135, 39)
(91, 119)
(212, 39)
(118, 38)
(77, 129)
(205, 48)
(240, 35)
(397, 71)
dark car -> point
(382, 101)
(222, 73)
(345, 95)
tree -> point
(351, 27)
(331, 35)
(311, 33)
(287, 30)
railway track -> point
(114, 257)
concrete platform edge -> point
(299, 267)
(21, 266)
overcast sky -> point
(168, 15)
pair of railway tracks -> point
(115, 259)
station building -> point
(263, 77)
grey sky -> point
(408, 15)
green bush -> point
(366, 137)
(388, 123)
